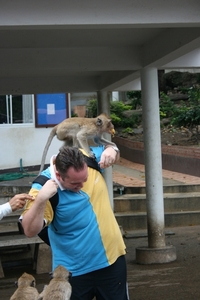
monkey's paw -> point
(92, 155)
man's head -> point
(71, 168)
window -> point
(16, 109)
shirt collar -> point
(52, 171)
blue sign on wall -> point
(50, 109)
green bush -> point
(115, 120)
(91, 108)
(188, 114)
(116, 112)
(135, 98)
(117, 107)
(132, 121)
(184, 114)
(127, 130)
(167, 106)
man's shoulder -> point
(98, 151)
(41, 178)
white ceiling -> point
(85, 46)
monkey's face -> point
(105, 124)
(110, 127)
(26, 280)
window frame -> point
(40, 112)
(10, 113)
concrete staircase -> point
(181, 206)
(7, 192)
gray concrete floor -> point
(176, 280)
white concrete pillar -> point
(157, 252)
(103, 106)
(153, 159)
(115, 96)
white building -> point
(67, 47)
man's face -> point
(73, 180)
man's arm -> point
(5, 209)
(15, 203)
(109, 156)
(33, 218)
(19, 200)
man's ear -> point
(57, 175)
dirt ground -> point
(177, 280)
(169, 136)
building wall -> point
(26, 143)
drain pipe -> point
(156, 252)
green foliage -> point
(162, 114)
(115, 120)
(135, 97)
(184, 114)
(187, 117)
(127, 130)
(119, 120)
(188, 114)
(167, 106)
(194, 96)
(124, 121)
(132, 121)
(118, 107)
(91, 108)
(74, 115)
(116, 113)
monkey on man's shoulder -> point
(77, 131)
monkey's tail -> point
(50, 138)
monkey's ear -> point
(99, 122)
(16, 283)
(32, 283)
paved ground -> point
(126, 173)
(132, 174)
(177, 280)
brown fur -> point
(59, 287)
(79, 130)
(26, 288)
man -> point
(84, 235)
(15, 203)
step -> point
(172, 202)
(136, 221)
(6, 189)
(166, 189)
(11, 190)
